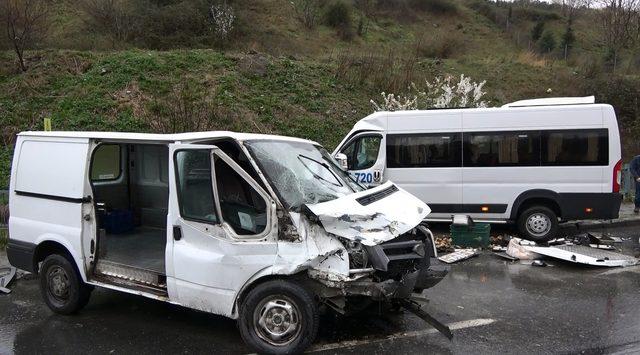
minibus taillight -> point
(617, 176)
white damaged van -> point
(264, 229)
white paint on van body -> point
(210, 265)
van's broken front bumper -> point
(396, 269)
(411, 266)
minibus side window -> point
(575, 147)
(487, 149)
(362, 153)
(439, 150)
(195, 190)
(106, 163)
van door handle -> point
(177, 233)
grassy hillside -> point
(276, 76)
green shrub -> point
(533, 14)
(484, 7)
(547, 42)
(338, 15)
(440, 45)
(435, 6)
(183, 24)
(536, 31)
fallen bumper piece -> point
(584, 255)
(458, 255)
(6, 276)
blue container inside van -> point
(118, 221)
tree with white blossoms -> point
(440, 93)
(221, 19)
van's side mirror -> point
(342, 160)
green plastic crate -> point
(474, 236)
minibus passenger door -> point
(221, 228)
(365, 159)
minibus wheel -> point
(61, 285)
(538, 223)
(278, 317)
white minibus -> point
(533, 162)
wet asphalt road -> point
(494, 305)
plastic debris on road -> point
(6, 276)
(458, 255)
(517, 248)
(580, 254)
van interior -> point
(131, 192)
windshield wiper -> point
(322, 164)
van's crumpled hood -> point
(372, 222)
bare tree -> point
(307, 12)
(618, 19)
(26, 24)
(571, 7)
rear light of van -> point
(617, 176)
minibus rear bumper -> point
(576, 206)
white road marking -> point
(401, 335)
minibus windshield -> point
(301, 173)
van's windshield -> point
(301, 173)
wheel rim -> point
(58, 284)
(538, 224)
(276, 320)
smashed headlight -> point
(358, 257)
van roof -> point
(173, 137)
(534, 104)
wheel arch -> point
(259, 278)
(49, 245)
(539, 197)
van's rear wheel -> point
(538, 223)
(278, 317)
(61, 286)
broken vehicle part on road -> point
(6, 277)
(590, 254)
(458, 255)
(264, 229)
(585, 255)
(418, 311)
(517, 248)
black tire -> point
(538, 223)
(61, 285)
(280, 305)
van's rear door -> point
(50, 195)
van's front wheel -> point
(61, 286)
(278, 317)
(538, 223)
